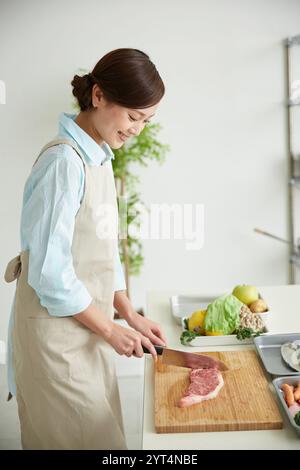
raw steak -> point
(205, 384)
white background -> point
(223, 115)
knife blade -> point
(186, 359)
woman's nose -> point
(136, 130)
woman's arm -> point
(123, 340)
(51, 200)
(123, 306)
(52, 197)
(141, 324)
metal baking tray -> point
(269, 350)
(277, 384)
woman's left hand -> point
(149, 328)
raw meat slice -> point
(205, 385)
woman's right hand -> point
(126, 341)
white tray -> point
(182, 306)
(220, 339)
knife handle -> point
(158, 349)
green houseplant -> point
(140, 149)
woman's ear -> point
(97, 96)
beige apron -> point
(67, 389)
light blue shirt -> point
(52, 195)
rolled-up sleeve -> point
(51, 209)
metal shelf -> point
(292, 104)
(295, 182)
(293, 179)
(295, 260)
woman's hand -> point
(126, 341)
(149, 329)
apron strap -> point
(58, 141)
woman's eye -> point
(147, 122)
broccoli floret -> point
(297, 418)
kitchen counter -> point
(284, 304)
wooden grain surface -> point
(244, 403)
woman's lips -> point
(122, 136)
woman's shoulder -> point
(63, 155)
(58, 168)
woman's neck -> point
(83, 120)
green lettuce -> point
(223, 315)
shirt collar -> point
(94, 153)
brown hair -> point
(126, 77)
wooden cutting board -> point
(244, 403)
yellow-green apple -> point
(246, 294)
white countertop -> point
(284, 303)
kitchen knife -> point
(172, 357)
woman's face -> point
(115, 124)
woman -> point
(69, 275)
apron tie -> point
(13, 269)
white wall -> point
(223, 115)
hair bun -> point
(82, 90)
